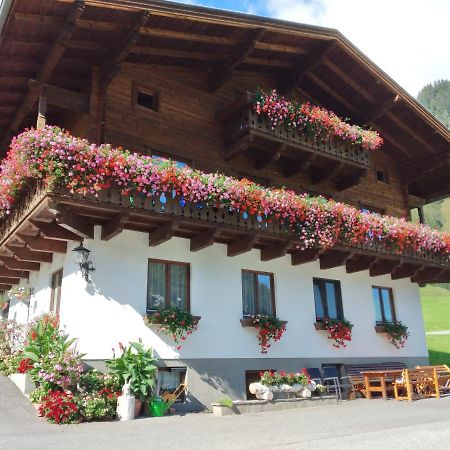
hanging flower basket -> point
(269, 328)
(20, 293)
(396, 333)
(339, 330)
(174, 322)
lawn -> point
(436, 314)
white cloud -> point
(408, 39)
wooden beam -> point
(360, 263)
(14, 264)
(54, 231)
(42, 109)
(384, 267)
(114, 226)
(162, 233)
(379, 109)
(41, 243)
(123, 48)
(313, 62)
(406, 271)
(6, 280)
(300, 165)
(23, 254)
(304, 256)
(350, 181)
(427, 275)
(423, 166)
(238, 146)
(334, 258)
(241, 245)
(78, 225)
(275, 250)
(48, 66)
(5, 272)
(5, 287)
(273, 156)
(321, 174)
(223, 70)
(204, 239)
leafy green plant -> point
(38, 394)
(397, 333)
(270, 378)
(136, 366)
(227, 402)
(269, 328)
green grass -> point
(436, 314)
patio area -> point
(352, 424)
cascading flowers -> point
(397, 333)
(57, 158)
(339, 330)
(314, 121)
(269, 328)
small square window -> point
(382, 175)
(169, 379)
(145, 99)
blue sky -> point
(408, 39)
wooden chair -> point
(416, 383)
(170, 398)
(443, 376)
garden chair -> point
(170, 398)
(443, 376)
(421, 382)
(331, 381)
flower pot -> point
(137, 407)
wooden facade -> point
(80, 64)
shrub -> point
(59, 407)
(227, 402)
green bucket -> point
(158, 408)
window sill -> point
(247, 322)
(380, 329)
(195, 319)
(320, 326)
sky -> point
(408, 39)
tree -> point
(435, 97)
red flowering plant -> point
(339, 330)
(270, 378)
(312, 120)
(397, 333)
(25, 365)
(58, 159)
(59, 407)
(173, 321)
(269, 328)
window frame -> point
(167, 263)
(138, 87)
(324, 298)
(272, 291)
(55, 282)
(391, 303)
(182, 374)
(385, 175)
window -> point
(168, 284)
(383, 301)
(169, 379)
(55, 298)
(328, 299)
(371, 209)
(382, 175)
(145, 99)
(179, 162)
(257, 293)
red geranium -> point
(25, 365)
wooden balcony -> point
(247, 133)
(41, 223)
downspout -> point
(5, 7)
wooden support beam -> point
(42, 109)
(5, 272)
(114, 226)
(238, 146)
(350, 181)
(334, 258)
(423, 166)
(78, 225)
(428, 274)
(6, 280)
(23, 254)
(14, 264)
(273, 156)
(304, 256)
(54, 231)
(223, 70)
(321, 174)
(5, 287)
(300, 165)
(41, 243)
(204, 239)
(406, 271)
(275, 250)
(48, 66)
(162, 233)
(379, 109)
(313, 62)
(122, 48)
(360, 263)
(241, 245)
(384, 267)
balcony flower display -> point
(397, 333)
(339, 330)
(312, 120)
(58, 159)
(20, 293)
(269, 328)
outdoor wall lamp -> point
(82, 259)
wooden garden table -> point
(381, 376)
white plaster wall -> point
(110, 310)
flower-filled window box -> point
(339, 330)
(320, 326)
(269, 328)
(174, 322)
(396, 332)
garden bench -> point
(358, 383)
(421, 382)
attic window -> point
(145, 99)
(382, 175)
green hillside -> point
(436, 314)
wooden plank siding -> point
(185, 126)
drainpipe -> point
(5, 6)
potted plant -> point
(223, 407)
(339, 331)
(396, 332)
(135, 365)
(269, 328)
(173, 321)
(20, 293)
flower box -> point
(247, 322)
(195, 319)
(380, 329)
(320, 326)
